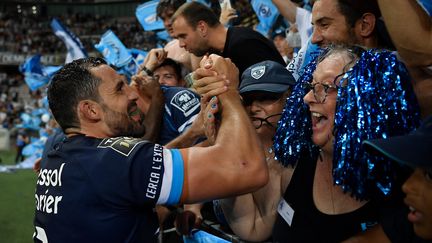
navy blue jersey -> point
(105, 190)
(181, 108)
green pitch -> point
(17, 203)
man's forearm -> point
(236, 132)
(235, 163)
(287, 8)
(184, 140)
(413, 38)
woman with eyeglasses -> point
(337, 190)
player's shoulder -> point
(122, 145)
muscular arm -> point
(235, 163)
(413, 38)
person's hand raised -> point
(215, 76)
(146, 86)
(227, 13)
(153, 59)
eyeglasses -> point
(320, 90)
(257, 122)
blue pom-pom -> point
(295, 127)
(375, 100)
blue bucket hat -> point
(266, 76)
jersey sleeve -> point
(133, 171)
(183, 107)
(159, 179)
(173, 178)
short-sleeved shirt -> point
(181, 108)
(246, 47)
(105, 190)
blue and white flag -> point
(28, 121)
(163, 35)
(267, 14)
(36, 146)
(114, 51)
(305, 55)
(35, 74)
(146, 15)
(75, 48)
(138, 55)
(50, 70)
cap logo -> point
(257, 72)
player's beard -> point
(121, 124)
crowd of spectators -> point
(11, 99)
(31, 34)
(15, 100)
(26, 33)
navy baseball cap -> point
(266, 76)
(414, 149)
(279, 31)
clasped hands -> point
(216, 77)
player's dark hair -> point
(193, 12)
(71, 84)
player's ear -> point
(90, 110)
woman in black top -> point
(334, 193)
